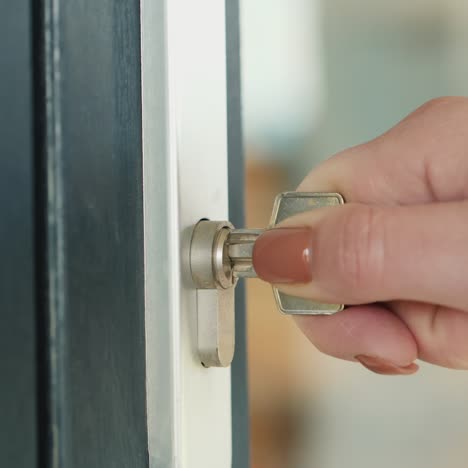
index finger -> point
(421, 160)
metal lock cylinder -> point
(220, 254)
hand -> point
(396, 253)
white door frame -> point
(184, 123)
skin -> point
(397, 252)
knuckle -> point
(446, 354)
(445, 104)
(454, 361)
(447, 337)
(361, 248)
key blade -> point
(240, 249)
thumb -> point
(355, 254)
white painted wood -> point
(185, 179)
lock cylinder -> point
(221, 254)
(209, 262)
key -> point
(241, 241)
(221, 254)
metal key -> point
(241, 242)
(220, 254)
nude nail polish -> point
(384, 367)
(284, 255)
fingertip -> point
(386, 367)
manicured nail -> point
(284, 255)
(384, 367)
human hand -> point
(396, 253)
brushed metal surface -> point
(288, 204)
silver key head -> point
(289, 204)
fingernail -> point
(384, 367)
(284, 255)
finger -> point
(371, 334)
(420, 160)
(440, 332)
(355, 254)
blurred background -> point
(319, 76)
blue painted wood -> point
(17, 284)
(92, 304)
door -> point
(121, 130)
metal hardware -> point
(212, 274)
(240, 248)
(220, 254)
(209, 263)
(289, 204)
